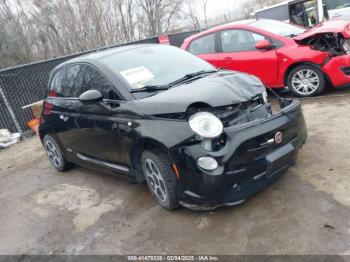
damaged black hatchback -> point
(199, 137)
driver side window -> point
(89, 78)
(239, 40)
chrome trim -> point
(102, 163)
(259, 176)
(271, 141)
(191, 194)
(235, 203)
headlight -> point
(264, 95)
(206, 125)
(346, 46)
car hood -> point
(219, 89)
(333, 26)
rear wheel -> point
(160, 178)
(54, 154)
(306, 81)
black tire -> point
(55, 155)
(307, 88)
(166, 184)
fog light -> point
(207, 163)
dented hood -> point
(220, 89)
(334, 26)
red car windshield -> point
(277, 27)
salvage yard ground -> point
(85, 212)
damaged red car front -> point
(333, 38)
(280, 54)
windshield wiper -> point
(153, 88)
(192, 75)
(150, 88)
(292, 35)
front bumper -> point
(248, 163)
(335, 70)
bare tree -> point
(14, 43)
(204, 8)
(38, 29)
(160, 14)
(191, 15)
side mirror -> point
(91, 97)
(263, 45)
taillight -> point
(53, 93)
(48, 108)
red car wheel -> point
(306, 81)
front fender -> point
(168, 132)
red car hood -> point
(334, 26)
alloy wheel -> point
(155, 180)
(53, 154)
(305, 82)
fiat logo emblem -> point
(278, 137)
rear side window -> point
(69, 80)
(239, 40)
(203, 45)
(63, 81)
(57, 84)
(88, 78)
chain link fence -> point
(27, 84)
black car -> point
(200, 137)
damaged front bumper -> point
(338, 70)
(249, 162)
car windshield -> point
(154, 65)
(278, 28)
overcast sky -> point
(218, 7)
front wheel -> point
(306, 81)
(160, 178)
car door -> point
(94, 133)
(238, 52)
(57, 105)
(205, 47)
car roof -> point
(243, 24)
(98, 54)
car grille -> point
(249, 160)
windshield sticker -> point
(137, 75)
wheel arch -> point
(292, 66)
(136, 151)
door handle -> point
(64, 118)
(228, 58)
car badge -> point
(279, 137)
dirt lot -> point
(84, 212)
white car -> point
(306, 13)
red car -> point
(280, 54)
